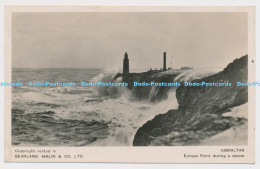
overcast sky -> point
(99, 40)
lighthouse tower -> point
(126, 64)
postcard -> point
(132, 84)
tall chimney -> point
(164, 61)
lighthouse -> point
(126, 64)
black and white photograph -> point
(130, 79)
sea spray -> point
(126, 117)
(108, 75)
(103, 115)
(140, 112)
(193, 74)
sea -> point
(81, 116)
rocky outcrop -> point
(200, 112)
(150, 93)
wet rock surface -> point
(200, 112)
(150, 93)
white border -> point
(117, 2)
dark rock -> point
(144, 92)
(200, 109)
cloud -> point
(99, 40)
